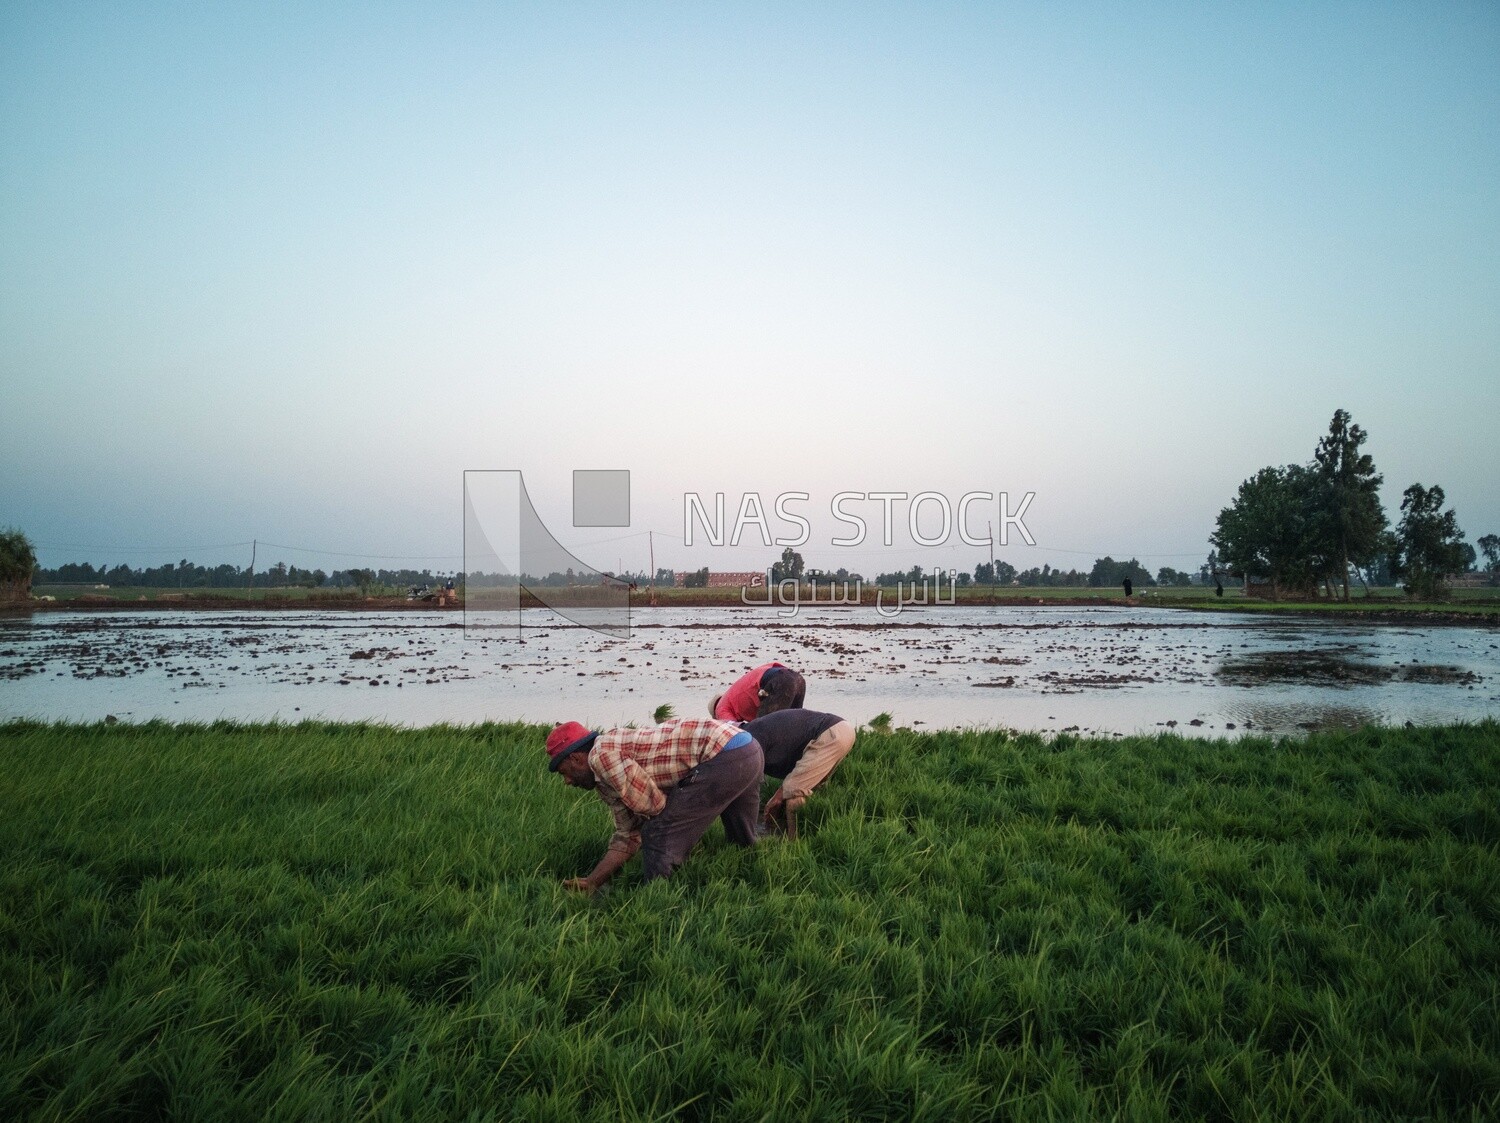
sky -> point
(285, 272)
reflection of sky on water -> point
(1099, 669)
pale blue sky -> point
(277, 273)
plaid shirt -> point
(633, 765)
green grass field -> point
(347, 922)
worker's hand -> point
(792, 806)
(773, 809)
(578, 885)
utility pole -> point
(651, 544)
(251, 583)
(990, 529)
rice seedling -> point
(344, 921)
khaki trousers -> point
(819, 759)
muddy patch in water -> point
(1335, 666)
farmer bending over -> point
(664, 785)
(765, 690)
(802, 748)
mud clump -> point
(1437, 675)
(1071, 683)
(1334, 667)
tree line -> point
(187, 575)
(1106, 573)
(1304, 529)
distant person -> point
(766, 689)
(664, 785)
(1218, 588)
(801, 748)
(1129, 588)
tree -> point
(1273, 530)
(1349, 497)
(17, 564)
(1107, 572)
(1489, 546)
(1002, 574)
(790, 566)
(1429, 543)
(1213, 571)
(1169, 576)
(1382, 568)
(698, 579)
(1048, 577)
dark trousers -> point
(726, 787)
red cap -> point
(564, 739)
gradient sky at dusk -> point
(284, 272)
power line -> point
(374, 557)
(240, 545)
(136, 549)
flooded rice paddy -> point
(1094, 670)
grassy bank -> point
(335, 922)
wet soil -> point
(1335, 666)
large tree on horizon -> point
(1275, 528)
(1351, 495)
(791, 565)
(1430, 542)
(1489, 546)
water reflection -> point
(1101, 670)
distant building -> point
(752, 580)
(1462, 580)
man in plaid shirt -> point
(664, 785)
